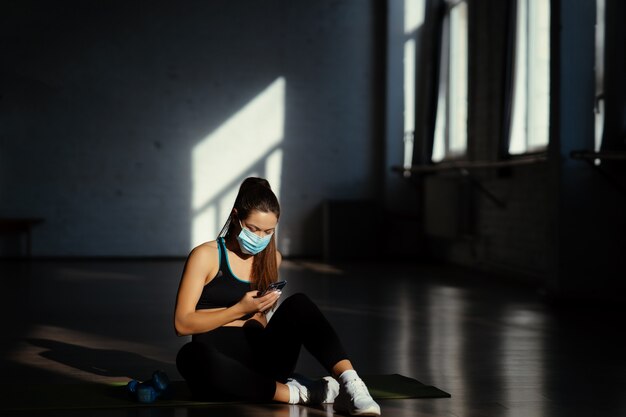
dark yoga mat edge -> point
(106, 396)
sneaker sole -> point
(372, 411)
(368, 412)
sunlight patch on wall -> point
(247, 144)
(273, 170)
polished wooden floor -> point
(495, 345)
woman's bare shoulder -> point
(203, 261)
(206, 247)
(205, 252)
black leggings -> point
(244, 363)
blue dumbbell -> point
(160, 382)
(149, 391)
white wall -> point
(124, 125)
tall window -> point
(450, 139)
(530, 119)
(413, 19)
(599, 71)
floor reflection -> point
(445, 309)
(522, 361)
(400, 352)
(496, 348)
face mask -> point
(250, 243)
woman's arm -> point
(200, 263)
(187, 320)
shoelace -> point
(357, 388)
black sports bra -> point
(225, 289)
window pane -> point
(450, 138)
(414, 11)
(530, 121)
(409, 101)
(517, 142)
(458, 80)
(538, 74)
(599, 71)
(441, 122)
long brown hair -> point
(255, 194)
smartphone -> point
(274, 286)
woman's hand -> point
(250, 303)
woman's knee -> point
(297, 307)
(185, 360)
(297, 299)
(194, 360)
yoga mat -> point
(93, 396)
(395, 386)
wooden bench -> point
(20, 226)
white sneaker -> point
(314, 392)
(355, 399)
(332, 390)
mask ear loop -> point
(234, 213)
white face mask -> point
(250, 243)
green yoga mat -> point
(92, 396)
